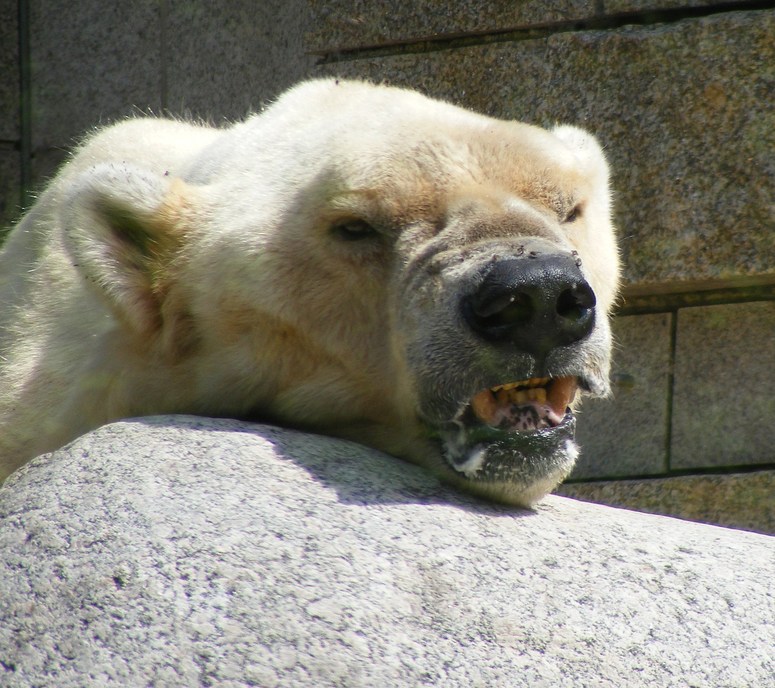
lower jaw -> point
(513, 467)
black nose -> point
(536, 302)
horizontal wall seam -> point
(677, 473)
(668, 301)
(450, 41)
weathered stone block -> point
(349, 24)
(229, 58)
(191, 552)
(9, 72)
(353, 23)
(723, 405)
(627, 434)
(739, 500)
(615, 6)
(683, 109)
(10, 188)
(96, 62)
(44, 165)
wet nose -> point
(537, 302)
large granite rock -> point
(192, 552)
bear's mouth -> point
(520, 431)
(525, 406)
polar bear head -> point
(367, 262)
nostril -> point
(503, 311)
(536, 305)
(576, 302)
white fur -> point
(172, 267)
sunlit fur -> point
(178, 268)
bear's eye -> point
(574, 214)
(353, 230)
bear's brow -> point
(552, 196)
(391, 212)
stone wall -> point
(678, 92)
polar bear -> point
(358, 260)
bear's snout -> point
(537, 302)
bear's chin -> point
(511, 466)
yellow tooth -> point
(520, 397)
(484, 406)
(535, 382)
(537, 394)
(561, 393)
(532, 382)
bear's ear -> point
(123, 227)
(587, 150)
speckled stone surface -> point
(683, 109)
(226, 59)
(92, 62)
(614, 6)
(723, 406)
(10, 182)
(626, 434)
(189, 552)
(9, 72)
(355, 23)
(740, 500)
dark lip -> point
(486, 434)
(513, 455)
(477, 453)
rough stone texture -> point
(742, 500)
(614, 6)
(225, 59)
(9, 72)
(190, 552)
(92, 62)
(348, 24)
(10, 188)
(45, 163)
(354, 23)
(723, 406)
(684, 110)
(627, 434)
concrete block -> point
(352, 23)
(229, 58)
(92, 62)
(740, 500)
(9, 71)
(193, 552)
(684, 111)
(10, 188)
(626, 435)
(723, 404)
